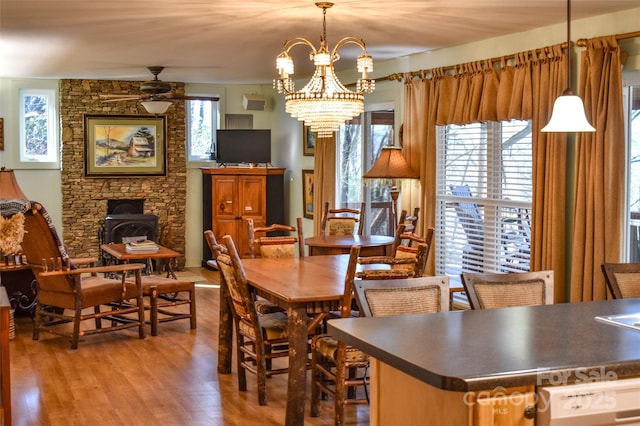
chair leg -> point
(192, 307)
(315, 389)
(153, 316)
(242, 373)
(261, 368)
(36, 322)
(340, 395)
(76, 328)
(96, 309)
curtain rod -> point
(582, 42)
(400, 75)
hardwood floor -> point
(170, 379)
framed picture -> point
(1, 134)
(124, 145)
(308, 141)
(307, 193)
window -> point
(38, 129)
(632, 113)
(483, 198)
(358, 148)
(202, 124)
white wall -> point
(286, 132)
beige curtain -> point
(531, 87)
(480, 92)
(599, 209)
(324, 177)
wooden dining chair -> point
(342, 221)
(623, 279)
(276, 240)
(260, 338)
(489, 291)
(335, 366)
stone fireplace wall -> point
(84, 199)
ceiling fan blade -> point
(129, 96)
(121, 99)
(171, 96)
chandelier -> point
(324, 103)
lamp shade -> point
(568, 116)
(9, 188)
(156, 107)
(391, 164)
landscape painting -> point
(121, 145)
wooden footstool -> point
(165, 293)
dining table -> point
(370, 245)
(304, 287)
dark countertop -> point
(479, 350)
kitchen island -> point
(460, 367)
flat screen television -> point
(236, 146)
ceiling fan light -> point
(156, 107)
(568, 116)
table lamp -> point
(391, 165)
(9, 188)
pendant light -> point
(568, 110)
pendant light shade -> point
(568, 115)
(568, 110)
(156, 107)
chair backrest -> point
(410, 221)
(488, 291)
(372, 268)
(379, 298)
(343, 221)
(282, 245)
(212, 242)
(235, 278)
(623, 279)
(44, 250)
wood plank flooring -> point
(170, 379)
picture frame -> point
(308, 141)
(307, 193)
(1, 134)
(125, 145)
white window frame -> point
(503, 217)
(49, 90)
(214, 122)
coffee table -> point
(119, 253)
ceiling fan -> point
(157, 95)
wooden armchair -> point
(262, 239)
(343, 221)
(62, 286)
(260, 338)
(623, 279)
(489, 291)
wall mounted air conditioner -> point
(253, 102)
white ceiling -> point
(232, 41)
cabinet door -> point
(506, 410)
(252, 197)
(224, 208)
